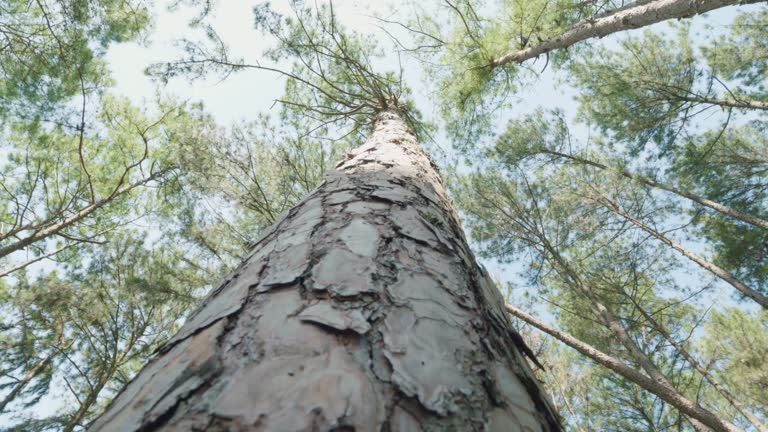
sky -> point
(242, 96)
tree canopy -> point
(628, 221)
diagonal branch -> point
(726, 210)
(638, 14)
(77, 216)
(664, 391)
(721, 273)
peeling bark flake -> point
(325, 314)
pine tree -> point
(362, 307)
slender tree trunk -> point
(704, 372)
(632, 16)
(661, 389)
(738, 102)
(82, 411)
(743, 288)
(615, 326)
(605, 316)
(728, 211)
(21, 384)
(362, 308)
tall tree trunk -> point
(362, 308)
(606, 317)
(635, 15)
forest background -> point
(127, 194)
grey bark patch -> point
(426, 360)
(377, 181)
(267, 233)
(447, 270)
(403, 421)
(502, 420)
(428, 192)
(286, 266)
(130, 408)
(281, 333)
(381, 366)
(322, 392)
(510, 387)
(366, 207)
(360, 237)
(310, 215)
(428, 299)
(294, 237)
(169, 400)
(340, 198)
(493, 297)
(343, 273)
(261, 252)
(399, 195)
(324, 313)
(409, 223)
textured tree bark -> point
(635, 15)
(361, 309)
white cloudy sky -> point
(241, 95)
